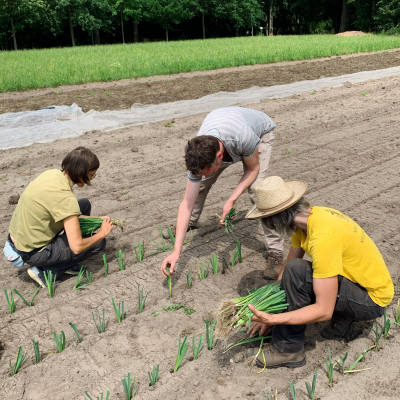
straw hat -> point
(273, 195)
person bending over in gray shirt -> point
(227, 136)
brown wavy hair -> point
(78, 163)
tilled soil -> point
(344, 142)
(163, 89)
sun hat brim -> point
(298, 187)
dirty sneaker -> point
(338, 327)
(173, 230)
(274, 359)
(274, 265)
(37, 274)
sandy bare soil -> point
(122, 94)
(344, 144)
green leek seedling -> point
(386, 325)
(203, 271)
(141, 299)
(60, 341)
(153, 376)
(196, 350)
(18, 363)
(378, 334)
(239, 250)
(189, 278)
(235, 313)
(234, 258)
(329, 367)
(28, 303)
(50, 282)
(210, 333)
(11, 303)
(342, 362)
(129, 388)
(292, 390)
(140, 252)
(79, 279)
(89, 277)
(245, 341)
(159, 248)
(90, 225)
(228, 220)
(169, 282)
(119, 314)
(99, 398)
(397, 322)
(214, 263)
(105, 265)
(171, 235)
(182, 349)
(359, 358)
(121, 261)
(76, 331)
(314, 382)
(37, 352)
(102, 322)
(269, 397)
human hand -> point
(258, 326)
(106, 227)
(227, 207)
(259, 316)
(169, 262)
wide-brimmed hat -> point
(273, 195)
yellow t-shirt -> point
(339, 246)
(40, 211)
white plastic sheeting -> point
(25, 128)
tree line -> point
(57, 23)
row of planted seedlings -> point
(379, 333)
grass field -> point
(29, 69)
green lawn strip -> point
(31, 69)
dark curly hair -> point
(78, 163)
(201, 153)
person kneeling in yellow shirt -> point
(346, 281)
(46, 208)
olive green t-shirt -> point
(40, 211)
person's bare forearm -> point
(87, 243)
(305, 315)
(182, 224)
(247, 179)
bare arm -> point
(182, 223)
(247, 179)
(76, 242)
(325, 299)
(293, 253)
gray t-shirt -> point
(239, 129)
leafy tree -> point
(388, 14)
(168, 12)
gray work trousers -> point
(353, 301)
(273, 240)
(57, 256)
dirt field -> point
(122, 94)
(344, 142)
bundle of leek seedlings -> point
(90, 225)
(234, 314)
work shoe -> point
(173, 230)
(75, 270)
(338, 327)
(274, 359)
(37, 274)
(274, 265)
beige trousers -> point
(273, 240)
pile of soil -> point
(344, 142)
(351, 33)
